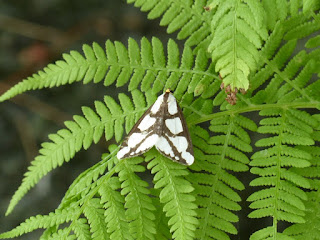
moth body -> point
(164, 127)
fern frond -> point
(302, 27)
(195, 108)
(113, 203)
(215, 186)
(311, 228)
(268, 233)
(80, 133)
(175, 195)
(62, 234)
(292, 82)
(275, 54)
(188, 17)
(238, 34)
(74, 68)
(87, 180)
(43, 221)
(310, 5)
(282, 199)
(275, 11)
(94, 212)
(139, 207)
(146, 65)
(81, 229)
(161, 221)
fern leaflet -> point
(146, 65)
(216, 156)
(282, 199)
(238, 33)
(175, 194)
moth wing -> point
(175, 142)
(142, 136)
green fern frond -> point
(94, 212)
(187, 16)
(175, 195)
(273, 53)
(161, 221)
(139, 207)
(279, 10)
(305, 28)
(146, 65)
(281, 199)
(238, 34)
(311, 228)
(43, 221)
(292, 83)
(88, 179)
(81, 133)
(81, 229)
(195, 108)
(310, 5)
(74, 68)
(62, 234)
(215, 186)
(113, 203)
(268, 233)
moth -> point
(164, 127)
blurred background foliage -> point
(34, 33)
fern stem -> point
(253, 108)
(275, 216)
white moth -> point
(164, 127)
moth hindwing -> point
(164, 127)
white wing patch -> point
(164, 127)
(180, 143)
(164, 146)
(172, 105)
(135, 138)
(156, 106)
(174, 125)
(148, 143)
(146, 122)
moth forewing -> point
(164, 127)
(138, 134)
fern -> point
(81, 229)
(39, 221)
(254, 45)
(309, 229)
(215, 186)
(188, 16)
(146, 66)
(80, 133)
(138, 204)
(117, 225)
(175, 194)
(283, 199)
(236, 24)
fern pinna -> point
(256, 47)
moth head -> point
(168, 90)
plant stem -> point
(252, 108)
